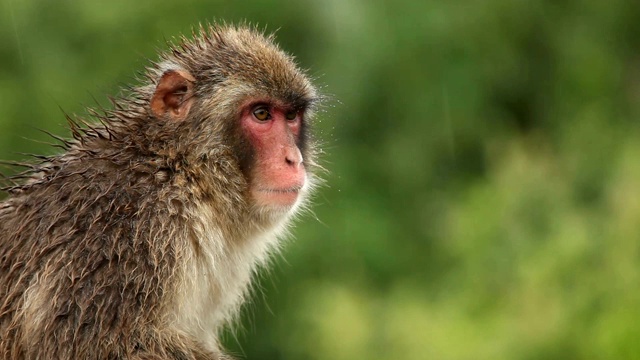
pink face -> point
(278, 174)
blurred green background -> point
(484, 194)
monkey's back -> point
(83, 265)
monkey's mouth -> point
(293, 189)
(278, 196)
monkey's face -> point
(277, 173)
(266, 134)
(238, 91)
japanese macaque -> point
(139, 241)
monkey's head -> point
(234, 111)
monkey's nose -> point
(293, 157)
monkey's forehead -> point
(221, 55)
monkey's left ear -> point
(173, 96)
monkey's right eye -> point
(261, 114)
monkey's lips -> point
(278, 196)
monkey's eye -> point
(261, 114)
(291, 115)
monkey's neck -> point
(216, 273)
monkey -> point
(140, 239)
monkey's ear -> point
(173, 96)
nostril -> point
(289, 161)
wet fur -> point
(139, 241)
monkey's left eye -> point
(261, 114)
(291, 115)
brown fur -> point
(138, 242)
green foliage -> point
(484, 194)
